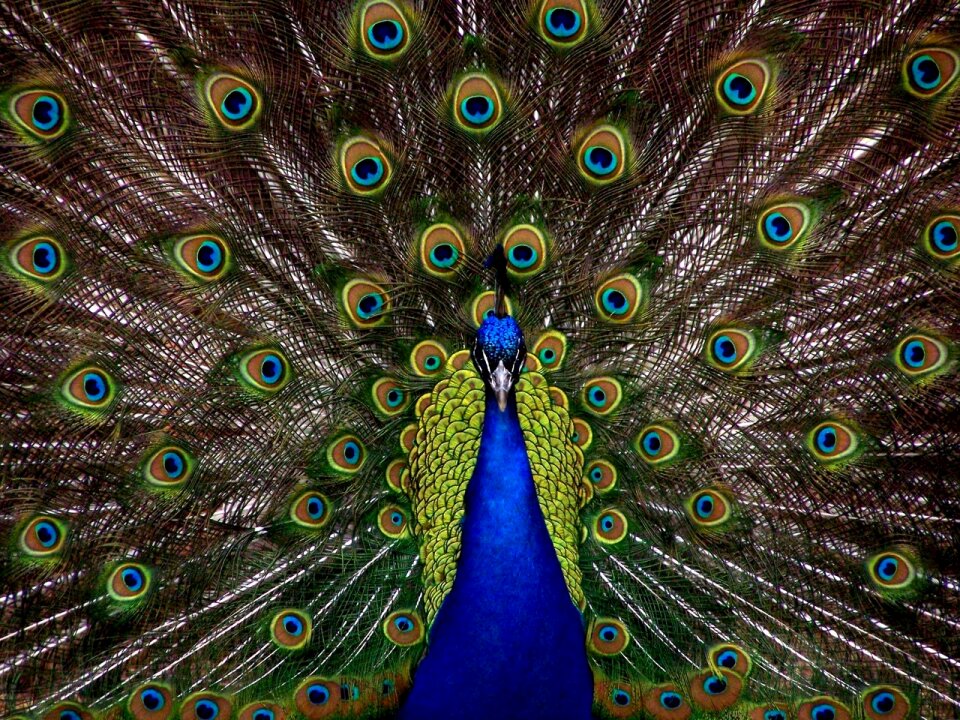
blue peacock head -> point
(498, 350)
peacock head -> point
(499, 354)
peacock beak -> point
(500, 382)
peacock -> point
(480, 359)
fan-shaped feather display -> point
(472, 359)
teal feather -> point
(225, 343)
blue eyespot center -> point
(887, 568)
(367, 171)
(777, 227)
(209, 256)
(315, 508)
(727, 659)
(94, 386)
(522, 256)
(774, 715)
(614, 302)
(369, 305)
(600, 160)
(652, 443)
(714, 685)
(318, 694)
(596, 475)
(132, 579)
(548, 355)
(925, 72)
(824, 711)
(607, 523)
(237, 104)
(621, 698)
(608, 633)
(432, 362)
(271, 369)
(704, 506)
(396, 518)
(945, 237)
(477, 109)
(444, 255)
(45, 258)
(883, 703)
(206, 709)
(264, 714)
(597, 397)
(738, 89)
(385, 34)
(914, 354)
(69, 715)
(403, 623)
(394, 398)
(725, 350)
(47, 533)
(670, 700)
(826, 440)
(293, 625)
(173, 464)
(152, 700)
(563, 22)
(45, 113)
(351, 452)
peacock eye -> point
(67, 711)
(43, 537)
(550, 349)
(774, 714)
(783, 226)
(526, 249)
(477, 103)
(266, 371)
(929, 71)
(261, 711)
(563, 23)
(428, 358)
(128, 581)
(891, 570)
(885, 701)
(731, 657)
(389, 398)
(392, 521)
(150, 702)
(618, 299)
(708, 509)
(43, 113)
(317, 693)
(582, 435)
(601, 155)
(602, 475)
(346, 454)
(621, 697)
(941, 237)
(442, 250)
(384, 30)
(291, 629)
(742, 87)
(235, 103)
(920, 355)
(831, 441)
(403, 628)
(823, 708)
(38, 258)
(657, 444)
(601, 396)
(610, 527)
(202, 257)
(205, 706)
(483, 306)
(365, 167)
(310, 510)
(730, 349)
(608, 637)
(169, 466)
(90, 388)
(365, 303)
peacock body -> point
(448, 358)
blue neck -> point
(508, 642)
